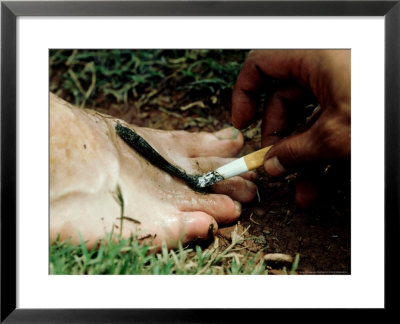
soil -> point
(320, 234)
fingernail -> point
(238, 207)
(274, 167)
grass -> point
(128, 256)
(131, 257)
(97, 78)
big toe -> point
(198, 226)
(184, 227)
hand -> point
(299, 78)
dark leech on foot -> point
(149, 153)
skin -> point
(301, 77)
(89, 161)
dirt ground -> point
(320, 234)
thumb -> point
(290, 153)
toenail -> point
(227, 134)
(238, 207)
(235, 133)
(251, 186)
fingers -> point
(308, 183)
(325, 73)
(327, 140)
(290, 153)
(283, 111)
(338, 173)
(306, 192)
(275, 121)
(321, 180)
(244, 98)
(260, 66)
(316, 76)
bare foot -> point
(95, 177)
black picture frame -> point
(10, 10)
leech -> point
(150, 154)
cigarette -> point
(244, 164)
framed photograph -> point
(176, 65)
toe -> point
(198, 226)
(227, 133)
(251, 176)
(221, 207)
(205, 164)
(225, 143)
(183, 227)
(202, 165)
(237, 188)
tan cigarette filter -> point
(246, 163)
(256, 159)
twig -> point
(251, 215)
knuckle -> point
(292, 149)
(334, 138)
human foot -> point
(95, 176)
